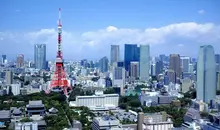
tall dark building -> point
(131, 53)
(3, 59)
(162, 57)
(103, 64)
(175, 64)
(83, 62)
(159, 67)
(217, 58)
(120, 64)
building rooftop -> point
(37, 103)
(53, 110)
(106, 121)
(17, 111)
(5, 114)
(193, 113)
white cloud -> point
(201, 11)
(95, 44)
(111, 29)
(180, 45)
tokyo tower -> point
(59, 79)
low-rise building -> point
(199, 105)
(104, 123)
(98, 101)
(157, 121)
(35, 108)
(26, 126)
(5, 116)
(191, 115)
(190, 125)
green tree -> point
(135, 103)
(109, 91)
(26, 120)
(217, 92)
(123, 105)
(204, 114)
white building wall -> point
(15, 89)
(159, 126)
(95, 100)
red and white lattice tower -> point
(59, 79)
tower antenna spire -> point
(59, 23)
(59, 79)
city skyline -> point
(91, 27)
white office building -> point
(26, 126)
(100, 100)
(15, 88)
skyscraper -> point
(3, 59)
(217, 58)
(153, 69)
(175, 64)
(185, 61)
(130, 54)
(115, 53)
(144, 62)
(40, 56)
(103, 64)
(206, 74)
(159, 67)
(9, 77)
(119, 78)
(20, 61)
(134, 69)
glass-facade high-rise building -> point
(3, 59)
(115, 53)
(206, 74)
(185, 61)
(175, 64)
(159, 67)
(40, 56)
(217, 58)
(103, 64)
(144, 62)
(130, 54)
(134, 69)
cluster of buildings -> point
(35, 110)
(147, 121)
(164, 76)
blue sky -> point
(86, 25)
